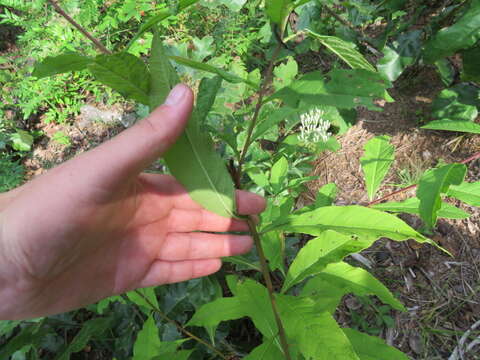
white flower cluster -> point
(313, 127)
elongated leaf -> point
(193, 152)
(90, 328)
(145, 298)
(315, 334)
(154, 20)
(54, 65)
(329, 247)
(213, 313)
(273, 244)
(466, 192)
(124, 73)
(243, 262)
(344, 50)
(376, 161)
(434, 183)
(267, 351)
(350, 279)
(365, 223)
(453, 125)
(346, 89)
(461, 35)
(411, 206)
(278, 173)
(371, 347)
(212, 69)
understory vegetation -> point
(279, 84)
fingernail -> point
(176, 95)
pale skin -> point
(96, 225)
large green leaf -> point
(154, 20)
(400, 54)
(53, 65)
(315, 334)
(329, 247)
(212, 69)
(362, 222)
(193, 152)
(471, 70)
(124, 73)
(371, 347)
(466, 192)
(411, 206)
(461, 35)
(350, 279)
(376, 161)
(434, 183)
(344, 50)
(453, 125)
(346, 89)
(90, 328)
(453, 104)
(278, 173)
(145, 298)
(273, 244)
(278, 12)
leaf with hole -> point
(376, 161)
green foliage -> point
(466, 192)
(434, 183)
(376, 162)
(61, 64)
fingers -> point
(164, 272)
(193, 246)
(202, 220)
(135, 148)
(249, 203)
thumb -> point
(134, 149)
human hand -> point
(96, 226)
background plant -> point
(262, 127)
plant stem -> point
(180, 327)
(388, 196)
(251, 223)
(85, 33)
(268, 282)
(261, 94)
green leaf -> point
(30, 335)
(154, 20)
(346, 89)
(315, 334)
(267, 351)
(400, 54)
(376, 161)
(243, 262)
(163, 76)
(278, 12)
(278, 173)
(124, 73)
(371, 347)
(452, 104)
(54, 65)
(344, 50)
(285, 73)
(273, 244)
(326, 195)
(466, 126)
(350, 279)
(446, 71)
(193, 153)
(471, 70)
(221, 309)
(212, 69)
(461, 35)
(138, 297)
(368, 224)
(329, 247)
(411, 206)
(21, 140)
(434, 183)
(466, 192)
(91, 328)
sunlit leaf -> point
(466, 192)
(453, 125)
(53, 65)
